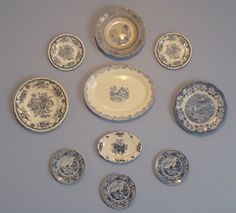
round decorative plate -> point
(173, 50)
(119, 92)
(119, 147)
(66, 52)
(67, 166)
(171, 167)
(118, 191)
(120, 32)
(200, 108)
(40, 104)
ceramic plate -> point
(200, 108)
(67, 166)
(119, 147)
(119, 92)
(120, 32)
(66, 52)
(40, 104)
(118, 191)
(173, 50)
(171, 167)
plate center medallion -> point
(119, 190)
(172, 166)
(41, 104)
(119, 94)
(173, 51)
(68, 165)
(199, 108)
(67, 52)
(119, 147)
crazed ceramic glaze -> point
(119, 92)
(173, 50)
(120, 32)
(66, 52)
(200, 108)
(40, 104)
(118, 191)
(119, 147)
(171, 167)
(67, 166)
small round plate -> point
(67, 166)
(119, 92)
(40, 104)
(171, 167)
(118, 191)
(120, 32)
(119, 147)
(173, 51)
(66, 52)
(200, 108)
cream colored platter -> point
(119, 92)
(40, 104)
(66, 52)
(173, 51)
(120, 32)
(119, 147)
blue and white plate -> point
(119, 147)
(200, 108)
(118, 191)
(67, 166)
(171, 167)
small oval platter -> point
(120, 32)
(118, 191)
(67, 166)
(66, 52)
(119, 92)
(119, 147)
(200, 108)
(173, 51)
(171, 167)
(40, 104)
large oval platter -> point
(119, 147)
(119, 92)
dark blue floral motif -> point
(40, 104)
(119, 147)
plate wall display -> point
(120, 32)
(173, 51)
(118, 191)
(119, 147)
(40, 104)
(119, 92)
(66, 52)
(171, 167)
(200, 108)
(67, 166)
